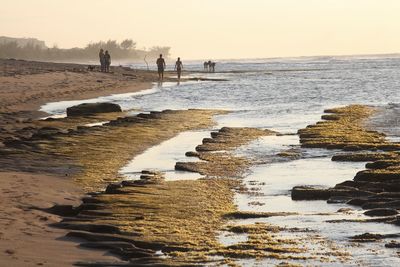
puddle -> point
(164, 156)
(228, 238)
(100, 123)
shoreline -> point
(147, 215)
(23, 90)
(37, 170)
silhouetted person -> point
(209, 65)
(107, 61)
(205, 66)
(160, 67)
(212, 67)
(179, 67)
(102, 60)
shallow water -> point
(282, 95)
(164, 156)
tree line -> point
(122, 51)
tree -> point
(128, 44)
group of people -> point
(161, 67)
(209, 66)
(105, 61)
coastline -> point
(137, 219)
(26, 238)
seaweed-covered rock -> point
(92, 108)
(310, 193)
(381, 212)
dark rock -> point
(347, 183)
(393, 195)
(210, 140)
(90, 200)
(96, 237)
(186, 166)
(95, 228)
(360, 157)
(254, 215)
(310, 193)
(125, 249)
(357, 201)
(367, 237)
(331, 117)
(113, 188)
(97, 213)
(129, 183)
(92, 206)
(382, 164)
(63, 210)
(393, 244)
(381, 212)
(371, 176)
(192, 154)
(214, 134)
(376, 204)
(92, 108)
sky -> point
(213, 29)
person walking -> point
(178, 68)
(102, 60)
(212, 67)
(107, 61)
(160, 67)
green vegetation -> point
(19, 48)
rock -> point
(95, 228)
(372, 176)
(393, 244)
(254, 215)
(381, 212)
(367, 237)
(186, 166)
(192, 154)
(63, 210)
(382, 164)
(310, 193)
(357, 201)
(345, 210)
(92, 108)
(378, 204)
(124, 249)
(113, 188)
(100, 237)
(360, 157)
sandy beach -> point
(26, 238)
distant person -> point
(179, 67)
(102, 60)
(212, 67)
(205, 66)
(160, 67)
(209, 65)
(107, 61)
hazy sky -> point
(203, 29)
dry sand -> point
(25, 237)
